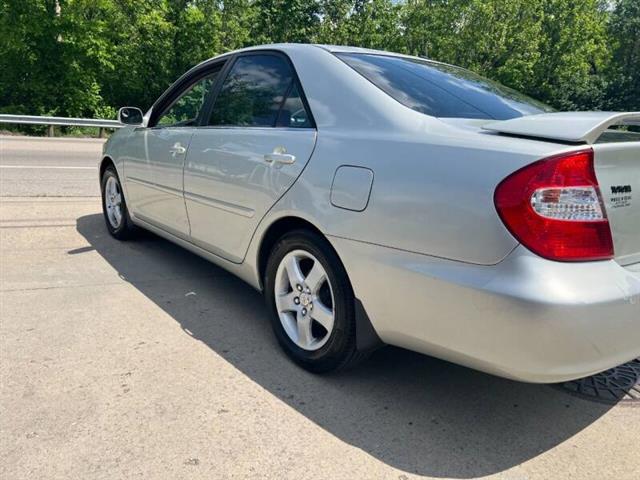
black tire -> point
(339, 351)
(126, 229)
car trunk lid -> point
(617, 167)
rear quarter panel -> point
(431, 194)
(433, 184)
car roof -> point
(350, 49)
(329, 48)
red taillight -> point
(554, 208)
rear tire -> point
(311, 303)
(114, 206)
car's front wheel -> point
(114, 206)
(311, 302)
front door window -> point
(184, 111)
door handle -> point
(284, 158)
(177, 149)
(279, 155)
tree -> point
(574, 52)
(624, 74)
(88, 57)
(286, 21)
(237, 20)
(47, 59)
(375, 24)
(334, 28)
(555, 50)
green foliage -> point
(624, 33)
(285, 20)
(89, 57)
(574, 51)
(46, 61)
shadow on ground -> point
(412, 412)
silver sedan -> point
(377, 198)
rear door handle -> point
(177, 149)
(283, 158)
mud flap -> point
(366, 337)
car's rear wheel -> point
(114, 206)
(311, 302)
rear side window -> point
(293, 113)
(442, 90)
(254, 92)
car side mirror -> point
(130, 116)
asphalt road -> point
(45, 167)
(138, 359)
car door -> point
(256, 142)
(166, 143)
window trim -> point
(210, 104)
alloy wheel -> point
(113, 201)
(304, 300)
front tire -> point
(311, 302)
(114, 206)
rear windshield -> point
(442, 90)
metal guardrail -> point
(51, 122)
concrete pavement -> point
(51, 167)
(139, 359)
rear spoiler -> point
(571, 127)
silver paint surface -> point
(429, 258)
(351, 188)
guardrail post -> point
(51, 131)
(101, 132)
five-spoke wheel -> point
(113, 202)
(304, 300)
(311, 300)
(114, 205)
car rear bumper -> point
(525, 318)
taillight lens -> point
(554, 208)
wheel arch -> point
(367, 338)
(274, 232)
(104, 164)
(108, 161)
